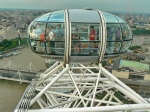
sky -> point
(130, 6)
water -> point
(139, 40)
(24, 59)
(10, 94)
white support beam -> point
(104, 71)
(96, 86)
(50, 84)
(70, 89)
(133, 107)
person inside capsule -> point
(37, 33)
(59, 31)
(76, 43)
(59, 34)
(51, 38)
(92, 33)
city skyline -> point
(130, 6)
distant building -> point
(8, 33)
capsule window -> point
(37, 31)
(113, 47)
(126, 32)
(55, 38)
(37, 46)
(85, 39)
(114, 32)
(37, 36)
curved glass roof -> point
(120, 20)
(109, 18)
(57, 16)
(44, 17)
(88, 16)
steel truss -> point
(83, 88)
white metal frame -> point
(77, 88)
(103, 35)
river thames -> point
(11, 92)
(139, 40)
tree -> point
(134, 47)
(141, 31)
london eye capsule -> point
(79, 35)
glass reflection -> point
(57, 16)
(44, 17)
(126, 32)
(120, 20)
(55, 48)
(86, 48)
(37, 46)
(125, 46)
(55, 38)
(30, 29)
(113, 47)
(37, 31)
(113, 32)
(109, 18)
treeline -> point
(141, 31)
(10, 44)
(134, 47)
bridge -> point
(10, 71)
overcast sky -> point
(104, 5)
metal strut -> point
(83, 88)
